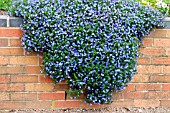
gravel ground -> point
(103, 110)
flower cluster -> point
(91, 43)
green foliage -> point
(162, 5)
(93, 44)
(5, 4)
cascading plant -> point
(93, 44)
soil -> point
(103, 110)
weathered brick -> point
(124, 103)
(148, 42)
(32, 70)
(4, 79)
(47, 79)
(38, 105)
(166, 69)
(11, 70)
(146, 103)
(22, 96)
(160, 78)
(143, 69)
(130, 87)
(140, 78)
(25, 79)
(160, 60)
(165, 103)
(15, 42)
(159, 95)
(4, 96)
(38, 87)
(22, 60)
(144, 61)
(135, 95)
(152, 51)
(16, 87)
(3, 60)
(59, 95)
(12, 105)
(3, 42)
(67, 104)
(10, 32)
(165, 87)
(148, 87)
(11, 51)
(161, 42)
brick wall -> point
(23, 86)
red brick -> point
(152, 51)
(168, 51)
(159, 95)
(4, 79)
(22, 60)
(23, 96)
(135, 95)
(61, 87)
(11, 87)
(140, 78)
(3, 60)
(92, 105)
(161, 33)
(15, 43)
(45, 79)
(32, 70)
(166, 69)
(160, 60)
(12, 105)
(148, 87)
(4, 96)
(165, 87)
(165, 103)
(130, 87)
(59, 95)
(118, 95)
(38, 105)
(3, 42)
(146, 103)
(151, 69)
(160, 78)
(168, 33)
(123, 103)
(11, 70)
(16, 87)
(11, 51)
(4, 87)
(144, 61)
(67, 104)
(148, 42)
(38, 87)
(10, 32)
(26, 79)
(161, 42)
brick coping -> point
(7, 21)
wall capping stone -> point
(7, 21)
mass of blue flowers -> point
(93, 44)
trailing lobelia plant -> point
(93, 44)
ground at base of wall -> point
(103, 110)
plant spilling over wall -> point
(93, 44)
(5, 4)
